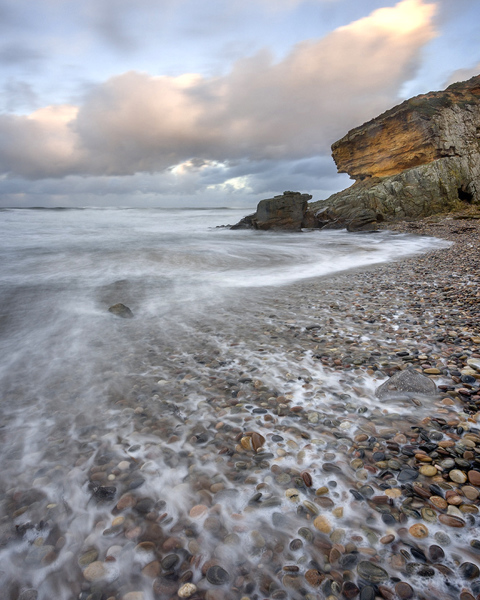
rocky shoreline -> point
(263, 466)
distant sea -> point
(72, 375)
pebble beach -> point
(235, 476)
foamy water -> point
(82, 390)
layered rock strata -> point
(420, 158)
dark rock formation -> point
(420, 158)
(120, 310)
(286, 212)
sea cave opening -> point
(464, 194)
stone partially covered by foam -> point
(406, 384)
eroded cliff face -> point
(417, 132)
(419, 158)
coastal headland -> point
(418, 159)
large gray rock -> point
(405, 385)
(282, 213)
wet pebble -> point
(217, 575)
(371, 572)
(404, 590)
(187, 590)
(95, 571)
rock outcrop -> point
(286, 212)
(420, 158)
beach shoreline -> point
(261, 464)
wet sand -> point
(261, 465)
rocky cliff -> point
(419, 158)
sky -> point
(166, 103)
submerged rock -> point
(406, 384)
(120, 310)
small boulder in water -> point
(406, 384)
(120, 310)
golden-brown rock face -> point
(417, 159)
(417, 132)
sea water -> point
(89, 401)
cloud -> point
(463, 74)
(262, 110)
(39, 145)
(13, 54)
(17, 94)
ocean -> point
(117, 472)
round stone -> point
(198, 511)
(387, 539)
(428, 470)
(442, 538)
(126, 501)
(407, 474)
(458, 476)
(350, 590)
(322, 524)
(295, 544)
(474, 477)
(217, 575)
(367, 593)
(470, 492)
(436, 553)
(152, 569)
(306, 534)
(469, 570)
(418, 530)
(438, 502)
(451, 521)
(292, 494)
(371, 572)
(88, 557)
(429, 515)
(170, 561)
(404, 590)
(246, 443)
(94, 571)
(314, 577)
(187, 590)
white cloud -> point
(262, 110)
